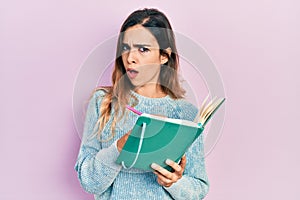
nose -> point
(131, 57)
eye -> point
(143, 49)
(125, 47)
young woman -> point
(145, 76)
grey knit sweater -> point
(100, 175)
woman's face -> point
(141, 56)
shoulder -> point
(95, 100)
(183, 103)
(186, 110)
(99, 93)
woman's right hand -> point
(121, 142)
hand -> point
(166, 178)
(121, 142)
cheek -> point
(152, 57)
(150, 69)
(150, 61)
(124, 57)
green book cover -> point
(154, 139)
(163, 138)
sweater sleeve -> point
(194, 183)
(95, 166)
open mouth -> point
(131, 73)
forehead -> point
(139, 35)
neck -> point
(151, 91)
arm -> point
(95, 165)
(194, 182)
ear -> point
(165, 58)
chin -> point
(137, 83)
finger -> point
(174, 165)
(183, 162)
(121, 142)
(164, 184)
(178, 168)
(162, 180)
(162, 171)
(128, 133)
(126, 136)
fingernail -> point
(154, 166)
(169, 162)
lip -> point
(131, 73)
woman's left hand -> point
(166, 178)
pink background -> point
(254, 44)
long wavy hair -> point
(117, 96)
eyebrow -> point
(138, 45)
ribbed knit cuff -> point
(109, 156)
(175, 190)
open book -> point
(154, 139)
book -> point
(154, 139)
